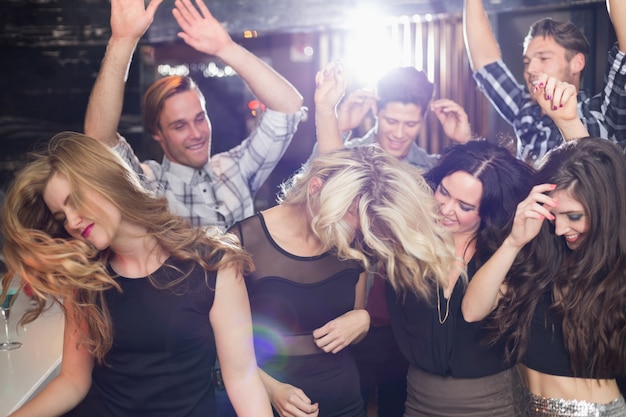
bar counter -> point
(25, 370)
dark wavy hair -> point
(588, 284)
(506, 181)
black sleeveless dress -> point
(163, 349)
(290, 296)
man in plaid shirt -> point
(559, 50)
(208, 191)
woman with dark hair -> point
(452, 371)
(559, 286)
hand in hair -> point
(530, 215)
(453, 119)
(488, 284)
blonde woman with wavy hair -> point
(349, 211)
(393, 205)
(343, 214)
(148, 300)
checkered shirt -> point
(604, 114)
(222, 192)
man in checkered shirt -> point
(208, 191)
(559, 50)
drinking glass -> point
(5, 311)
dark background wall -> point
(51, 52)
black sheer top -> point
(290, 296)
(294, 294)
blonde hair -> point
(399, 232)
(38, 249)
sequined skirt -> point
(556, 407)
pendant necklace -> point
(445, 317)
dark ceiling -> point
(63, 22)
(308, 15)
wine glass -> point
(5, 310)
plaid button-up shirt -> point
(604, 114)
(223, 191)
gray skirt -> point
(498, 395)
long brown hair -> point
(588, 284)
(39, 250)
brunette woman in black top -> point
(452, 370)
(560, 285)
